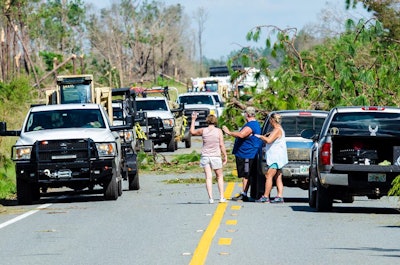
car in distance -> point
(204, 103)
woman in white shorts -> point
(213, 146)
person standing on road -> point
(276, 156)
(213, 146)
(245, 149)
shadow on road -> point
(350, 209)
(68, 196)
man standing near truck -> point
(245, 149)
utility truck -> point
(80, 89)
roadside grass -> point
(7, 183)
(181, 164)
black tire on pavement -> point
(24, 192)
(120, 187)
(324, 199)
(188, 141)
(312, 193)
(134, 181)
(171, 144)
(111, 187)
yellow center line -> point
(201, 252)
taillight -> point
(373, 108)
(326, 154)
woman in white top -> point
(276, 156)
(213, 146)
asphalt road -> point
(174, 224)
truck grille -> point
(201, 117)
(61, 150)
(154, 124)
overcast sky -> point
(229, 21)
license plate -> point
(66, 173)
(376, 177)
(63, 157)
(303, 169)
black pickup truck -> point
(357, 153)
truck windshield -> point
(294, 125)
(76, 93)
(57, 119)
(196, 99)
(149, 105)
(368, 123)
(211, 86)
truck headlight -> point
(127, 135)
(22, 152)
(168, 122)
(106, 149)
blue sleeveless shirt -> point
(248, 147)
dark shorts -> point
(243, 166)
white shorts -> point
(214, 161)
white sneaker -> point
(211, 201)
(222, 200)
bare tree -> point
(201, 18)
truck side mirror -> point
(309, 134)
(3, 128)
(140, 116)
(129, 120)
(4, 132)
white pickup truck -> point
(66, 145)
(204, 103)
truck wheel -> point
(171, 144)
(188, 142)
(311, 193)
(120, 188)
(348, 199)
(134, 181)
(324, 200)
(35, 192)
(24, 192)
(111, 188)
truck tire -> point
(120, 188)
(324, 200)
(171, 144)
(188, 141)
(24, 192)
(111, 188)
(312, 193)
(134, 181)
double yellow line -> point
(201, 252)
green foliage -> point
(15, 98)
(355, 68)
(7, 185)
(48, 58)
(395, 190)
